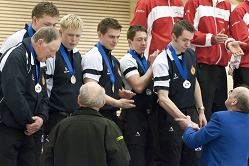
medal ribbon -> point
(143, 63)
(181, 68)
(103, 54)
(30, 31)
(37, 78)
(65, 57)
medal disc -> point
(148, 92)
(186, 84)
(38, 88)
(73, 79)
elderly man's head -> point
(238, 100)
(91, 95)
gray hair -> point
(48, 34)
(243, 102)
(92, 95)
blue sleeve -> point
(211, 131)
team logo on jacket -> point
(43, 79)
(119, 72)
(192, 70)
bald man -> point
(86, 138)
(225, 137)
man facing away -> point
(99, 65)
(86, 138)
(225, 137)
(24, 101)
(64, 72)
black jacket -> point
(85, 139)
(19, 101)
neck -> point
(140, 55)
(173, 45)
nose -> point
(115, 40)
(187, 43)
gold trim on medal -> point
(73, 79)
(38, 88)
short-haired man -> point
(225, 137)
(99, 65)
(138, 124)
(175, 71)
(64, 72)
(44, 14)
(86, 137)
(24, 101)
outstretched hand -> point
(235, 48)
(186, 122)
(126, 94)
(125, 103)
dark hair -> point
(47, 8)
(133, 29)
(180, 26)
(108, 23)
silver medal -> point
(38, 88)
(186, 84)
(112, 88)
(73, 79)
(148, 92)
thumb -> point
(222, 31)
(188, 117)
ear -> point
(173, 36)
(34, 20)
(60, 31)
(78, 101)
(129, 42)
(103, 103)
(40, 42)
(235, 101)
(99, 35)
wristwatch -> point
(201, 108)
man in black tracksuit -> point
(139, 123)
(24, 102)
(86, 138)
(43, 14)
(64, 72)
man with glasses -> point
(226, 136)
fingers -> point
(222, 31)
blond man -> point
(64, 73)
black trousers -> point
(54, 118)
(139, 130)
(213, 84)
(240, 76)
(173, 151)
(38, 140)
(16, 148)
